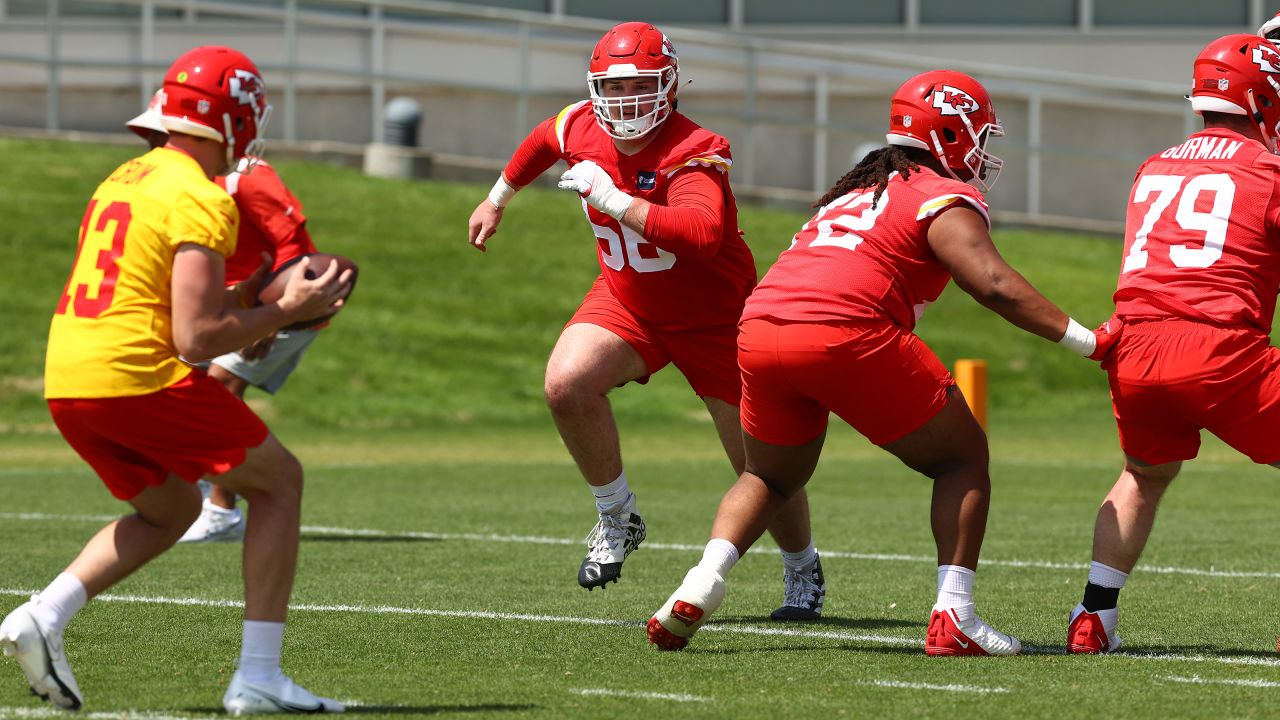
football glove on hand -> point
(1107, 335)
(596, 187)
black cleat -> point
(613, 538)
(598, 575)
(805, 592)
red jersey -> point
(677, 276)
(271, 221)
(858, 260)
(1201, 234)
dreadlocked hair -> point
(873, 171)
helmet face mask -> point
(217, 93)
(950, 115)
(1271, 28)
(984, 166)
(626, 109)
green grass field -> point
(444, 519)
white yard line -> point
(52, 712)
(542, 540)
(728, 628)
(939, 688)
(1197, 680)
(486, 615)
(606, 692)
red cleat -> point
(688, 607)
(1088, 633)
(959, 631)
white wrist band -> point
(501, 193)
(1079, 338)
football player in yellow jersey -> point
(146, 291)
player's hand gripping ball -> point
(273, 287)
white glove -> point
(597, 188)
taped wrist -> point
(501, 193)
(1079, 338)
(613, 202)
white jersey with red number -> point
(672, 292)
(1201, 234)
(858, 260)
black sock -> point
(1098, 598)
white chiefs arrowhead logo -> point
(1266, 59)
(246, 88)
(954, 101)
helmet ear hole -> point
(949, 135)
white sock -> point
(720, 556)
(801, 561)
(611, 497)
(218, 509)
(260, 651)
(955, 587)
(1106, 576)
(57, 603)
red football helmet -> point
(949, 114)
(632, 50)
(1237, 75)
(217, 93)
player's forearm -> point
(233, 328)
(1008, 294)
(685, 231)
(535, 155)
(691, 222)
(637, 215)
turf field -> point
(443, 520)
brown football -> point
(273, 287)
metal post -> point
(557, 9)
(911, 15)
(747, 160)
(1035, 133)
(147, 51)
(737, 15)
(4, 9)
(51, 119)
(526, 82)
(377, 65)
(189, 12)
(1257, 15)
(291, 70)
(821, 116)
(1085, 10)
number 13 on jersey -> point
(92, 284)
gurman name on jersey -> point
(1204, 148)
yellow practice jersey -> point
(112, 332)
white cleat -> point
(215, 524)
(281, 695)
(39, 654)
(688, 607)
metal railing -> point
(757, 71)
